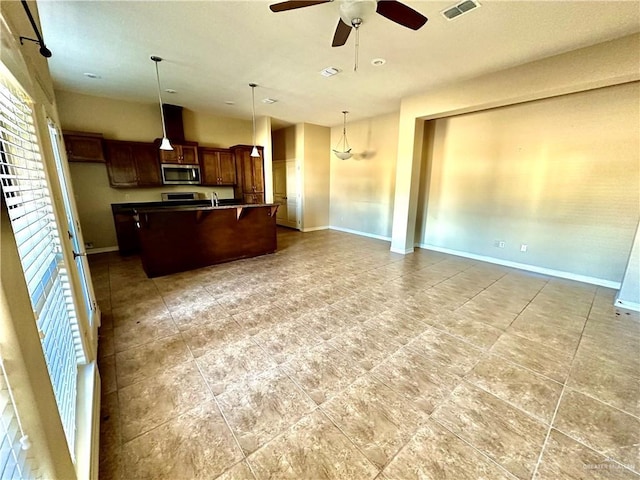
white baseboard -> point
(362, 234)
(523, 266)
(91, 251)
(401, 251)
(315, 229)
(627, 305)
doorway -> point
(285, 193)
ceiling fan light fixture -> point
(356, 11)
(165, 144)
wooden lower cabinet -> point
(132, 164)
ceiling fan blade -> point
(342, 34)
(401, 14)
(293, 4)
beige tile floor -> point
(336, 359)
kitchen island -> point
(188, 237)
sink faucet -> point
(214, 199)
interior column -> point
(410, 147)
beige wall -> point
(362, 187)
(134, 121)
(312, 151)
(122, 120)
(560, 175)
(609, 63)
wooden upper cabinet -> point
(132, 164)
(120, 165)
(182, 153)
(218, 166)
(145, 158)
(250, 174)
(84, 147)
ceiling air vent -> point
(459, 9)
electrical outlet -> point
(501, 244)
(523, 247)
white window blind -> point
(15, 460)
(28, 199)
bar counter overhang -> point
(185, 238)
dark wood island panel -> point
(180, 239)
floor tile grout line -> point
(224, 417)
(475, 449)
(564, 388)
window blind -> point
(16, 463)
(28, 199)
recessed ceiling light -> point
(170, 90)
(329, 72)
(229, 102)
(91, 75)
(378, 61)
(269, 100)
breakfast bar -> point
(189, 237)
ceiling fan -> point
(352, 13)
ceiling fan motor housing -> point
(351, 10)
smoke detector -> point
(459, 9)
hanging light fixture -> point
(254, 150)
(165, 144)
(345, 153)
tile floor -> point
(336, 359)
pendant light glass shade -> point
(343, 150)
(254, 150)
(166, 144)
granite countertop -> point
(129, 207)
(191, 208)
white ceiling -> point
(214, 49)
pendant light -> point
(165, 144)
(254, 150)
(345, 153)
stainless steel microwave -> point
(175, 174)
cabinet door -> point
(169, 156)
(209, 164)
(258, 173)
(120, 164)
(126, 233)
(147, 166)
(250, 198)
(84, 148)
(188, 155)
(227, 168)
(247, 172)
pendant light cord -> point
(156, 60)
(355, 66)
(253, 110)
